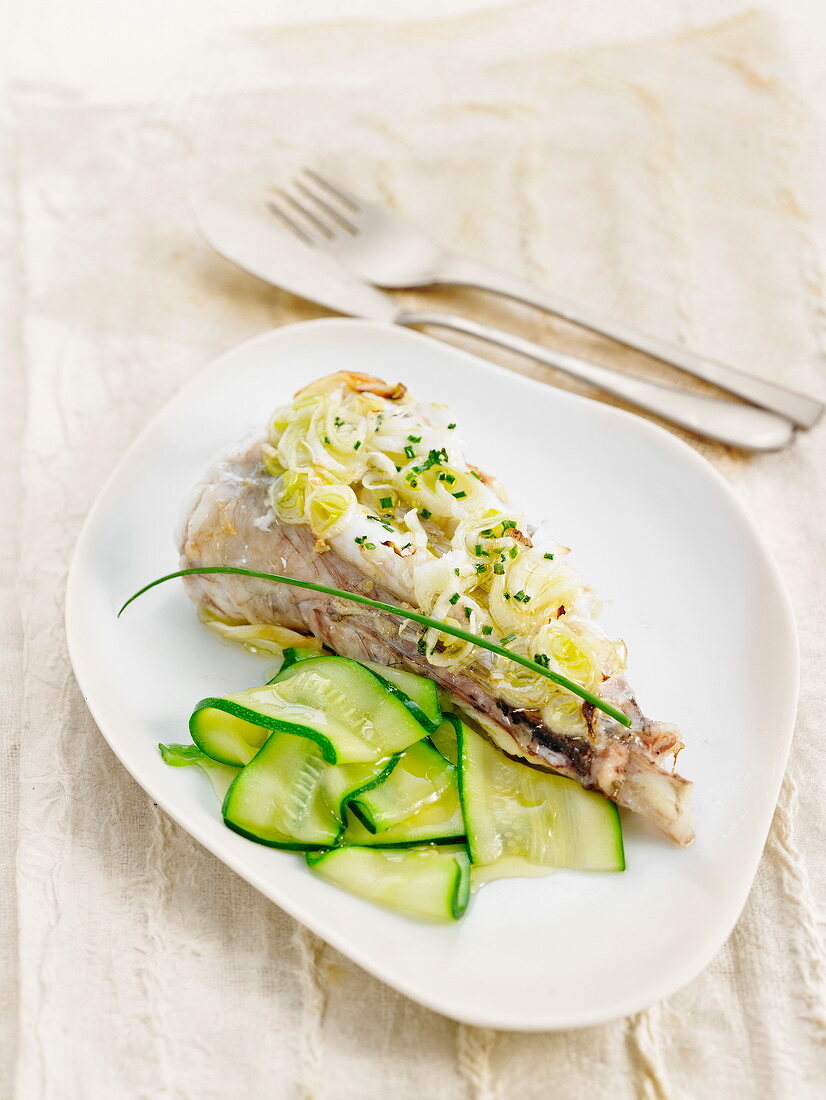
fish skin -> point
(231, 523)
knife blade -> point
(259, 245)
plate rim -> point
(654, 991)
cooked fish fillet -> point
(232, 522)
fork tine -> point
(290, 222)
(337, 217)
(309, 216)
(334, 190)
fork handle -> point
(797, 407)
(740, 425)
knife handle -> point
(729, 422)
(797, 407)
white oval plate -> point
(685, 579)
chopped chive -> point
(339, 423)
(507, 595)
(386, 502)
(357, 445)
(414, 438)
(519, 596)
(450, 427)
(359, 540)
(457, 572)
(487, 629)
(480, 567)
(550, 557)
(460, 494)
(369, 546)
(411, 479)
(507, 639)
(467, 612)
(480, 553)
(434, 458)
(448, 628)
(474, 474)
(513, 551)
(422, 645)
(326, 440)
(498, 568)
(409, 451)
(454, 599)
(425, 514)
(542, 659)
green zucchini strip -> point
(219, 775)
(278, 798)
(345, 708)
(513, 812)
(419, 778)
(439, 822)
(426, 882)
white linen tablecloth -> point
(667, 180)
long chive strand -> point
(404, 613)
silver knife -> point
(248, 237)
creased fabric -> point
(664, 181)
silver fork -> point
(242, 230)
(387, 250)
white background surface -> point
(134, 966)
